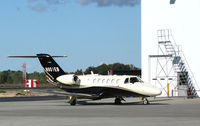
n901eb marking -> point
(52, 69)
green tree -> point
(15, 77)
(79, 72)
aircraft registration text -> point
(52, 69)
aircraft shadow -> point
(30, 98)
(90, 103)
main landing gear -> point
(73, 100)
(145, 101)
(118, 101)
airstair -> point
(179, 62)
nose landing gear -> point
(73, 100)
(145, 101)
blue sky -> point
(89, 33)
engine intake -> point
(70, 79)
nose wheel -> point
(145, 101)
(73, 100)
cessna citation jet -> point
(94, 86)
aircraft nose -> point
(151, 90)
(157, 91)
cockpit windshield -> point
(126, 81)
(140, 80)
(132, 80)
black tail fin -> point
(51, 68)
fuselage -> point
(111, 84)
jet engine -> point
(69, 79)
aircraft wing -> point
(105, 92)
(102, 92)
(115, 91)
(78, 95)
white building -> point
(183, 19)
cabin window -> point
(103, 81)
(108, 81)
(112, 81)
(95, 80)
(98, 80)
(133, 80)
(126, 80)
(117, 81)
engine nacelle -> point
(69, 79)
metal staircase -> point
(179, 62)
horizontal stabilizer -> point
(51, 68)
(34, 56)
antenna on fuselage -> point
(92, 73)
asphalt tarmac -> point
(55, 111)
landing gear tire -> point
(73, 101)
(145, 101)
(118, 101)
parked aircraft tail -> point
(51, 68)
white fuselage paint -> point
(112, 81)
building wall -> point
(183, 19)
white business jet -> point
(94, 86)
